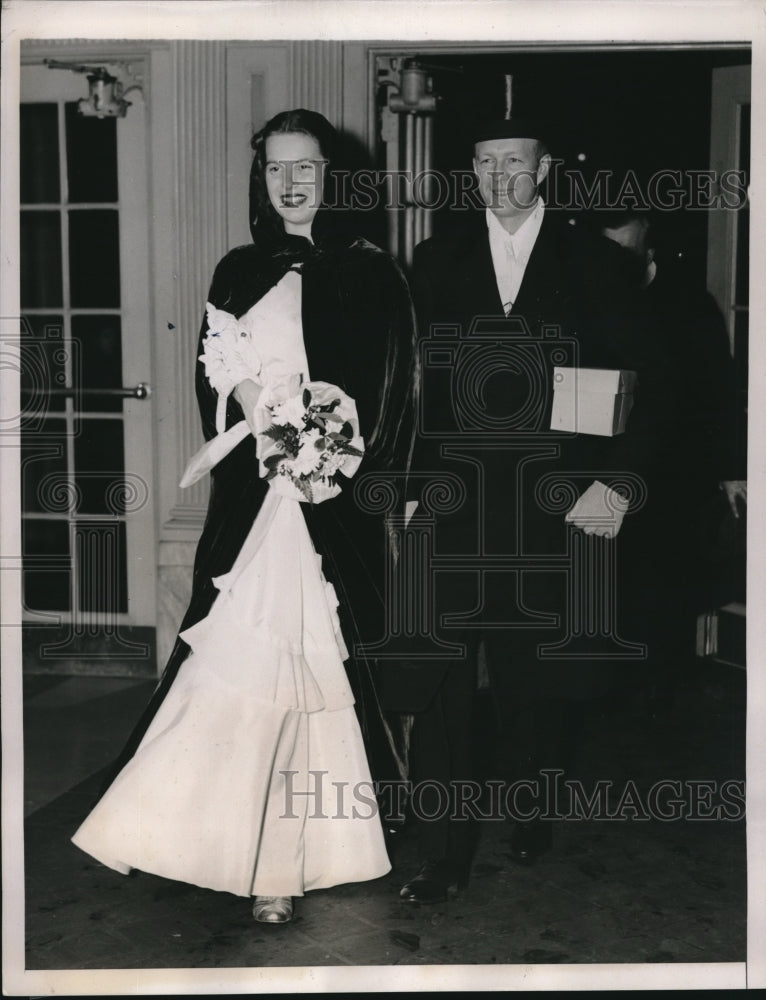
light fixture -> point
(106, 96)
(413, 95)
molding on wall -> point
(199, 167)
(258, 86)
(317, 71)
(356, 88)
(97, 49)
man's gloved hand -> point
(599, 511)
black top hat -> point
(507, 128)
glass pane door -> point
(87, 522)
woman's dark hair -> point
(266, 225)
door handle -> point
(140, 391)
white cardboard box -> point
(592, 400)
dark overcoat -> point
(686, 545)
(484, 419)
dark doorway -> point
(639, 111)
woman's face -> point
(294, 177)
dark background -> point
(641, 110)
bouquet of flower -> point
(308, 435)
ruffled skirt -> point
(252, 777)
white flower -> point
(332, 463)
(309, 456)
(221, 323)
(216, 367)
(291, 411)
(229, 356)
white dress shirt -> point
(511, 252)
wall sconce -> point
(414, 92)
(106, 96)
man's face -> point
(509, 172)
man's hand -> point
(599, 511)
(734, 488)
(247, 394)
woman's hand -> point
(247, 394)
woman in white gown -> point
(248, 772)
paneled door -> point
(88, 532)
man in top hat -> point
(511, 293)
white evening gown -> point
(252, 778)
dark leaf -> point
(304, 487)
(306, 398)
(274, 432)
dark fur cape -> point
(359, 334)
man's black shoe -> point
(435, 881)
(530, 840)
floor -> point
(639, 890)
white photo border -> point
(497, 21)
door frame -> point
(730, 90)
(359, 58)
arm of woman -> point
(239, 280)
(221, 294)
(231, 290)
(247, 394)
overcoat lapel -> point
(478, 287)
(542, 289)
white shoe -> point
(273, 909)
